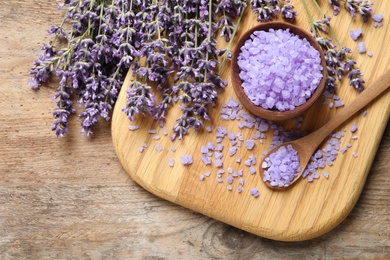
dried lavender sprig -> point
(338, 64)
(265, 10)
(363, 8)
(99, 52)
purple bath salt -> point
(354, 128)
(281, 166)
(355, 34)
(278, 69)
(249, 144)
(377, 18)
(255, 192)
(361, 47)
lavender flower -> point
(337, 62)
(363, 8)
(265, 10)
(288, 12)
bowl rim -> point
(237, 82)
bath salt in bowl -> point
(278, 71)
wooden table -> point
(70, 198)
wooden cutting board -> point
(305, 211)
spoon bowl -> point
(306, 146)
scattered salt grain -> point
(229, 179)
(249, 144)
(354, 128)
(364, 113)
(145, 145)
(220, 180)
(165, 131)
(152, 131)
(355, 34)
(232, 151)
(156, 137)
(173, 149)
(343, 150)
(239, 189)
(171, 162)
(252, 170)
(218, 155)
(208, 129)
(207, 174)
(206, 160)
(241, 181)
(229, 187)
(361, 47)
(325, 174)
(338, 103)
(210, 146)
(218, 163)
(201, 177)
(133, 127)
(369, 54)
(204, 149)
(354, 137)
(141, 149)
(354, 154)
(377, 18)
(255, 192)
(349, 145)
(158, 148)
(186, 159)
(238, 159)
(276, 77)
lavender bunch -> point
(266, 10)
(181, 41)
(153, 38)
(338, 64)
(363, 8)
(100, 49)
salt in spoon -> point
(307, 145)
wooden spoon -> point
(307, 145)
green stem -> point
(330, 28)
(231, 41)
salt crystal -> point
(355, 34)
(255, 192)
(361, 47)
(156, 137)
(208, 129)
(249, 144)
(171, 162)
(229, 187)
(133, 127)
(354, 154)
(141, 149)
(229, 179)
(325, 174)
(204, 149)
(218, 163)
(252, 170)
(165, 131)
(354, 128)
(207, 174)
(201, 177)
(152, 131)
(377, 18)
(369, 54)
(238, 159)
(158, 148)
(232, 151)
(239, 189)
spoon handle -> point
(376, 88)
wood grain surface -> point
(305, 211)
(70, 198)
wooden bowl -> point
(237, 82)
